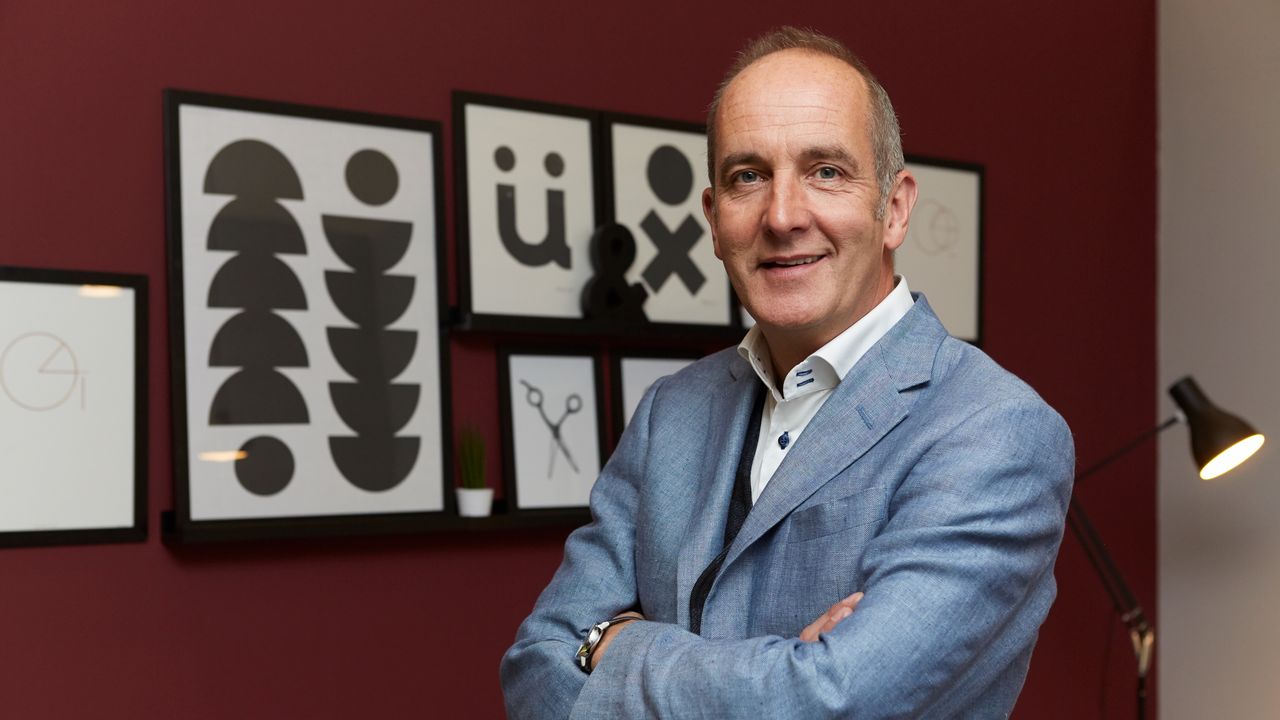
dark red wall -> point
(1057, 101)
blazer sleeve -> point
(595, 581)
(957, 584)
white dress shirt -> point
(788, 409)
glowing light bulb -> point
(1226, 460)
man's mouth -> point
(792, 262)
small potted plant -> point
(475, 497)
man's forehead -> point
(802, 109)
(808, 98)
(794, 77)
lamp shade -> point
(1219, 440)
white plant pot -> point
(475, 502)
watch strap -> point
(594, 636)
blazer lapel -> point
(866, 405)
(703, 539)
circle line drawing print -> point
(39, 371)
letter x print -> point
(673, 253)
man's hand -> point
(828, 620)
(608, 637)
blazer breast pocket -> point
(864, 507)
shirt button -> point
(784, 440)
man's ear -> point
(897, 212)
(709, 212)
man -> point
(849, 515)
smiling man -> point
(851, 514)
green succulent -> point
(471, 459)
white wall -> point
(1219, 308)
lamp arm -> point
(1168, 423)
(1141, 635)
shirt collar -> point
(828, 365)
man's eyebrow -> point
(834, 153)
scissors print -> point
(572, 404)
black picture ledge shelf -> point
(458, 322)
(273, 528)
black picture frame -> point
(620, 403)
(371, 209)
(474, 257)
(497, 293)
(78, 496)
(943, 253)
(522, 497)
(669, 318)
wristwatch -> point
(594, 635)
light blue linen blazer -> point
(931, 479)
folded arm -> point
(595, 581)
(956, 583)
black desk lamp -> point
(1219, 442)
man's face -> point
(792, 206)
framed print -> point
(942, 255)
(73, 407)
(552, 432)
(633, 373)
(657, 172)
(308, 366)
(527, 208)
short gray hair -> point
(886, 138)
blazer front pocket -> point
(864, 507)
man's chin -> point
(788, 323)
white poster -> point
(942, 254)
(68, 404)
(636, 374)
(309, 312)
(658, 178)
(554, 434)
(530, 211)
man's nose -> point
(788, 212)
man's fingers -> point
(852, 601)
(811, 631)
(828, 620)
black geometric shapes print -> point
(375, 458)
(671, 178)
(372, 354)
(256, 227)
(369, 248)
(372, 177)
(369, 300)
(554, 247)
(266, 466)
(257, 341)
(607, 296)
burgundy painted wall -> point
(1057, 101)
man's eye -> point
(828, 173)
(748, 176)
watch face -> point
(593, 637)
